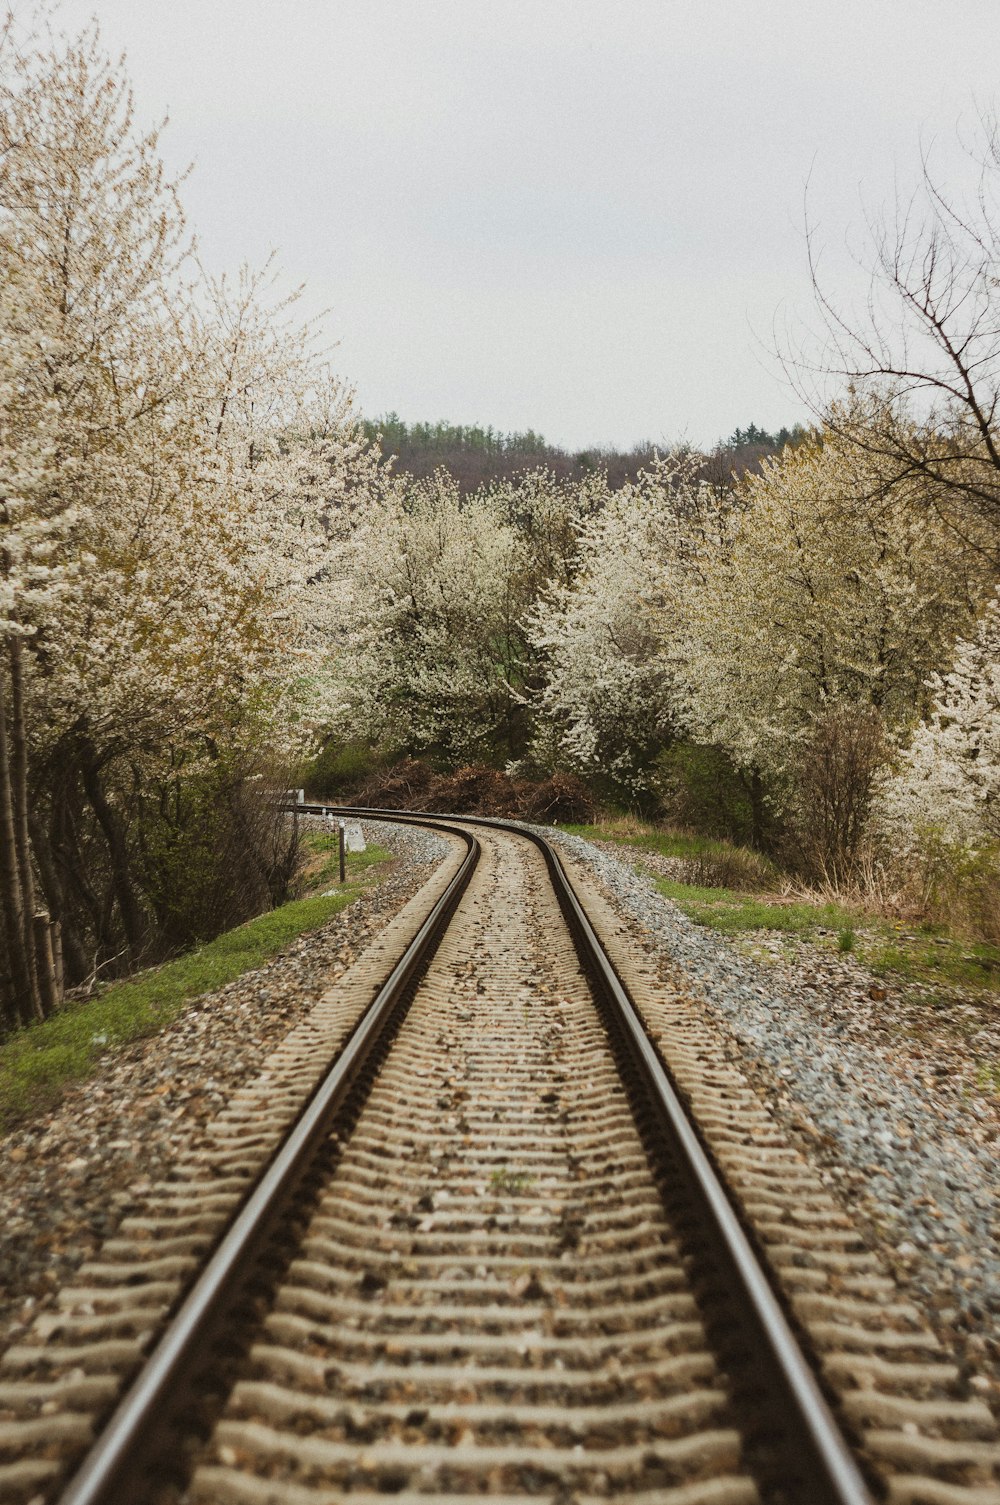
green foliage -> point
(36, 1062)
(444, 437)
(954, 884)
(701, 787)
(339, 768)
(212, 852)
(511, 1181)
(846, 939)
(475, 454)
(753, 437)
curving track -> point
(497, 1262)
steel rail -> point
(115, 1471)
(819, 1451)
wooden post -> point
(342, 847)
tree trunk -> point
(68, 948)
(25, 1005)
(19, 793)
(114, 835)
(74, 877)
(756, 810)
(48, 984)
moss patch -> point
(988, 1077)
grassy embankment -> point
(925, 954)
(37, 1062)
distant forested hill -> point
(475, 455)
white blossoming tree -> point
(175, 461)
(829, 589)
(948, 786)
(613, 639)
(432, 589)
(32, 581)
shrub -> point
(945, 882)
(700, 787)
(562, 797)
(833, 790)
(720, 865)
(413, 784)
(404, 786)
(215, 851)
(339, 769)
(476, 789)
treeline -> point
(801, 663)
(476, 456)
(794, 644)
(207, 569)
(173, 470)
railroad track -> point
(495, 1256)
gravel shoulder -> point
(69, 1176)
(883, 1087)
(882, 1090)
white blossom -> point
(949, 783)
(614, 639)
(828, 587)
(434, 653)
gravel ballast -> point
(68, 1176)
(876, 1087)
(879, 1089)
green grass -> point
(881, 946)
(953, 961)
(511, 1181)
(926, 954)
(37, 1062)
(731, 912)
(323, 860)
(649, 838)
(709, 860)
(988, 1077)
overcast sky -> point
(578, 216)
